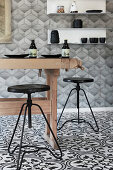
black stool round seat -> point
(78, 80)
(28, 88)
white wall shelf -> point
(102, 13)
(74, 35)
(82, 5)
(92, 43)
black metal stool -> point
(78, 81)
(29, 89)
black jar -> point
(54, 36)
(77, 23)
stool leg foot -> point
(91, 113)
(55, 155)
(11, 152)
(65, 105)
(19, 163)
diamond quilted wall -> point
(30, 21)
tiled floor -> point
(82, 148)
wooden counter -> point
(40, 63)
(49, 103)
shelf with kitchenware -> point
(78, 35)
(85, 13)
(72, 7)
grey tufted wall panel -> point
(29, 21)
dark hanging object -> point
(54, 36)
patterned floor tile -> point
(82, 148)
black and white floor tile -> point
(82, 148)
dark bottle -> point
(32, 49)
(65, 49)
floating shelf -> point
(74, 35)
(84, 29)
(82, 6)
(92, 43)
(85, 13)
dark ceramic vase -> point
(54, 36)
(102, 39)
(77, 23)
(84, 40)
(93, 40)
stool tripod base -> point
(23, 148)
(78, 120)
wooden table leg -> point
(52, 76)
(47, 131)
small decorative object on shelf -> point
(102, 39)
(93, 40)
(32, 50)
(77, 23)
(73, 7)
(54, 36)
(94, 11)
(84, 40)
(60, 9)
(65, 49)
